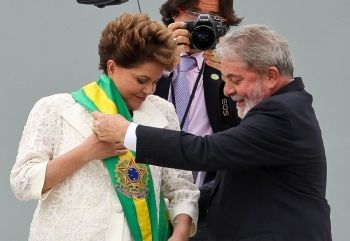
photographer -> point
(208, 109)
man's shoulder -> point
(289, 100)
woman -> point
(59, 158)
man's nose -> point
(229, 90)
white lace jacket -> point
(85, 206)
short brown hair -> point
(133, 39)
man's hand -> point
(181, 36)
(211, 60)
(110, 128)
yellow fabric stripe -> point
(105, 105)
(143, 218)
(100, 99)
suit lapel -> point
(163, 87)
(211, 83)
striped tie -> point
(181, 88)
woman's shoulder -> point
(57, 97)
(167, 109)
(159, 102)
(59, 102)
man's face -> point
(204, 6)
(242, 85)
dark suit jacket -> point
(222, 114)
(272, 180)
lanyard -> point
(191, 96)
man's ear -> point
(272, 77)
(111, 67)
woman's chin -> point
(134, 106)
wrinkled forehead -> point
(208, 6)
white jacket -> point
(85, 206)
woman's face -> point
(135, 83)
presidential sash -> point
(132, 181)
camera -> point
(205, 32)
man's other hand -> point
(110, 128)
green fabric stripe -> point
(163, 220)
(110, 163)
(127, 203)
(114, 95)
(152, 208)
(80, 97)
(159, 230)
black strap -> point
(228, 110)
(191, 97)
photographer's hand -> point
(211, 59)
(181, 36)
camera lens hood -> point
(203, 37)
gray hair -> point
(259, 47)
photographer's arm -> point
(211, 59)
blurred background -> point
(50, 46)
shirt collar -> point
(198, 56)
(199, 59)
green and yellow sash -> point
(132, 181)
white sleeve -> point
(130, 139)
(35, 150)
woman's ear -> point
(111, 67)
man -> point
(209, 111)
(272, 180)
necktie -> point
(181, 88)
